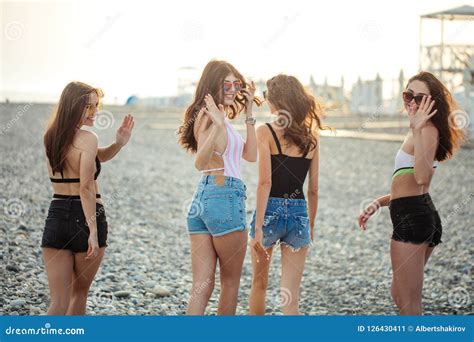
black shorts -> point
(66, 226)
(415, 220)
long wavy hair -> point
(211, 82)
(299, 112)
(450, 136)
(64, 122)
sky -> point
(138, 47)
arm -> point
(87, 191)
(206, 140)
(264, 175)
(313, 189)
(250, 145)
(426, 143)
(122, 137)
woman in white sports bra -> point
(217, 217)
(432, 138)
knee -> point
(80, 290)
(260, 282)
(202, 289)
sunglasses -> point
(228, 85)
(407, 97)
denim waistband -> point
(290, 202)
(222, 180)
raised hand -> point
(249, 94)
(216, 114)
(124, 132)
(419, 117)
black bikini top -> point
(77, 180)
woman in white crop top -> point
(417, 229)
(216, 219)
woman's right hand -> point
(257, 245)
(217, 114)
(367, 213)
(93, 249)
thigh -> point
(86, 269)
(59, 265)
(203, 257)
(408, 261)
(292, 266)
(231, 249)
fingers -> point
(210, 104)
(433, 113)
(430, 107)
(221, 108)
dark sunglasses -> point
(407, 97)
(228, 85)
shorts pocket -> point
(269, 225)
(302, 227)
(218, 208)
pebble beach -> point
(147, 189)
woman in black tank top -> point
(288, 150)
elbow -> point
(421, 181)
(265, 183)
(198, 164)
(87, 189)
(312, 192)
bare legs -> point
(70, 277)
(292, 265)
(408, 263)
(230, 250)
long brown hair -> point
(300, 112)
(211, 82)
(64, 122)
(450, 136)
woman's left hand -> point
(420, 117)
(249, 94)
(125, 130)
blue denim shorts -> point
(286, 221)
(218, 206)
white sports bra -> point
(405, 163)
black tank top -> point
(288, 173)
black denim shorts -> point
(66, 226)
(415, 220)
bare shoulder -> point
(86, 140)
(262, 131)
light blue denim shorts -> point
(286, 221)
(218, 206)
